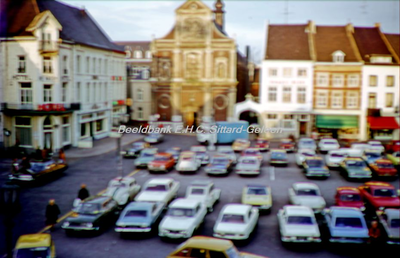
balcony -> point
(48, 46)
(39, 109)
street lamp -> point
(10, 206)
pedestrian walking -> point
(83, 192)
(374, 232)
(52, 213)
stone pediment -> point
(192, 6)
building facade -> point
(64, 85)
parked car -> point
(355, 168)
(278, 157)
(139, 217)
(204, 191)
(302, 154)
(93, 214)
(307, 194)
(39, 171)
(262, 144)
(159, 190)
(219, 165)
(376, 145)
(175, 152)
(297, 224)
(188, 162)
(162, 162)
(394, 158)
(145, 157)
(335, 157)
(35, 245)
(183, 218)
(357, 149)
(236, 222)
(393, 146)
(328, 144)
(306, 143)
(135, 149)
(287, 144)
(248, 165)
(383, 168)
(258, 196)
(254, 152)
(201, 154)
(347, 196)
(122, 189)
(202, 246)
(315, 167)
(240, 144)
(390, 221)
(346, 225)
(380, 195)
(370, 156)
(228, 151)
(154, 138)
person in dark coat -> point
(52, 213)
(83, 192)
(25, 164)
(15, 167)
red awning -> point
(383, 122)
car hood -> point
(257, 199)
(83, 218)
(355, 204)
(317, 169)
(310, 201)
(158, 163)
(387, 201)
(349, 232)
(134, 220)
(230, 227)
(186, 164)
(177, 223)
(152, 196)
(358, 170)
(247, 166)
(300, 230)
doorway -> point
(303, 128)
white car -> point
(122, 189)
(183, 218)
(236, 222)
(307, 194)
(302, 154)
(201, 154)
(204, 191)
(298, 224)
(306, 143)
(228, 151)
(248, 165)
(188, 162)
(358, 148)
(326, 145)
(335, 157)
(159, 190)
(376, 145)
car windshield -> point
(160, 188)
(248, 161)
(303, 220)
(257, 191)
(251, 152)
(397, 154)
(278, 155)
(354, 163)
(233, 253)
(385, 165)
(37, 252)
(348, 223)
(161, 158)
(136, 213)
(308, 154)
(180, 212)
(199, 191)
(384, 193)
(329, 142)
(372, 155)
(147, 155)
(227, 152)
(187, 158)
(307, 142)
(395, 223)
(233, 218)
(89, 208)
(219, 161)
(350, 197)
(307, 192)
(37, 167)
(338, 155)
(315, 163)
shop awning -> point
(382, 122)
(336, 122)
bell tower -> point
(219, 13)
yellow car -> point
(35, 245)
(209, 247)
(240, 145)
(259, 196)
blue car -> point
(370, 156)
(145, 157)
(346, 225)
(139, 217)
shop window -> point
(23, 131)
(66, 130)
(84, 130)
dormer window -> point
(381, 59)
(338, 56)
(127, 54)
(138, 54)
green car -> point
(315, 167)
(145, 157)
(394, 158)
(355, 168)
(91, 215)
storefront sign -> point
(51, 107)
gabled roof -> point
(370, 42)
(394, 41)
(16, 15)
(135, 45)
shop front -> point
(383, 128)
(337, 126)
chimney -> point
(377, 24)
(219, 13)
(311, 27)
(350, 28)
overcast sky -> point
(134, 20)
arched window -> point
(138, 54)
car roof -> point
(304, 185)
(348, 189)
(297, 210)
(209, 243)
(238, 209)
(33, 240)
(184, 203)
(377, 185)
(160, 181)
(345, 212)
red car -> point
(262, 144)
(380, 195)
(287, 144)
(393, 146)
(347, 196)
(383, 168)
(162, 162)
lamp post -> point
(10, 206)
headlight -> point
(66, 224)
(89, 225)
(163, 166)
(47, 167)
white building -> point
(64, 77)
